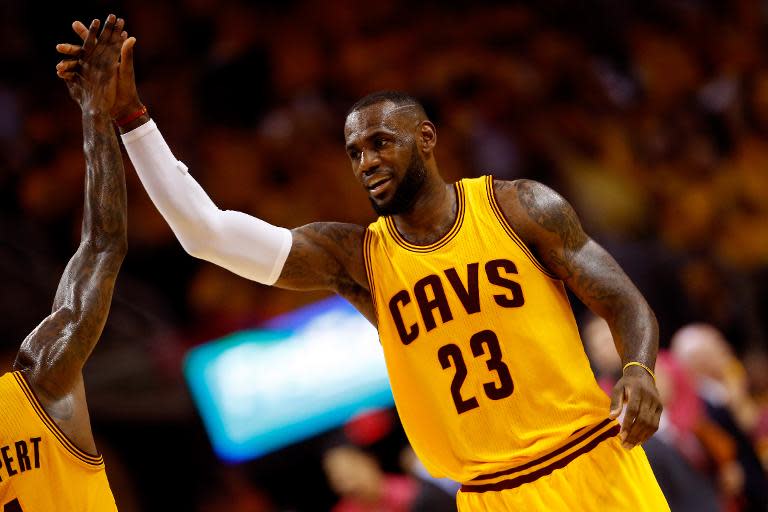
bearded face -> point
(404, 196)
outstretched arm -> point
(54, 353)
(313, 257)
(551, 227)
(319, 256)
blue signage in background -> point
(312, 370)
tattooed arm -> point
(57, 349)
(548, 224)
(52, 356)
(329, 256)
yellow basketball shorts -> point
(607, 478)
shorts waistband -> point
(580, 445)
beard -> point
(404, 197)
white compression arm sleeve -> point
(238, 242)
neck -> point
(432, 214)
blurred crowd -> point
(711, 450)
(651, 117)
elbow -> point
(199, 241)
(195, 248)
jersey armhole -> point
(83, 456)
(499, 214)
(367, 242)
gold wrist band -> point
(641, 365)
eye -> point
(353, 154)
(380, 143)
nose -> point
(369, 161)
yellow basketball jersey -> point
(40, 469)
(484, 357)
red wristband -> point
(131, 117)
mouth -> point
(378, 185)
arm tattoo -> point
(592, 274)
(57, 349)
(556, 216)
(324, 255)
(329, 256)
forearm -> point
(104, 213)
(243, 244)
(103, 241)
(605, 288)
(635, 331)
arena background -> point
(651, 117)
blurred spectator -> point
(705, 447)
(720, 380)
(719, 376)
(361, 484)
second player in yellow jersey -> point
(48, 456)
(40, 468)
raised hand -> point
(92, 76)
(127, 97)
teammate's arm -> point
(549, 225)
(52, 356)
(318, 256)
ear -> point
(427, 137)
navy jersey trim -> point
(514, 482)
(493, 200)
(405, 244)
(50, 423)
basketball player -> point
(466, 284)
(48, 458)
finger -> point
(68, 76)
(72, 50)
(109, 27)
(617, 401)
(641, 428)
(126, 59)
(118, 30)
(90, 40)
(633, 408)
(80, 29)
(67, 65)
(656, 418)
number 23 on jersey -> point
(481, 343)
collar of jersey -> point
(447, 237)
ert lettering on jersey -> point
(27, 457)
